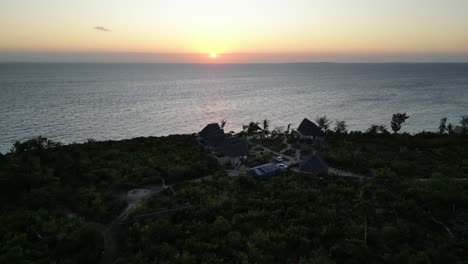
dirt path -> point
(134, 198)
(341, 173)
(287, 163)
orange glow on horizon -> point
(213, 31)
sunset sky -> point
(237, 31)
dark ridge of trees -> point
(299, 219)
(341, 127)
(410, 156)
(56, 201)
(377, 129)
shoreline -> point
(425, 133)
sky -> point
(241, 31)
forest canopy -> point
(58, 201)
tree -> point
(253, 127)
(377, 129)
(450, 128)
(323, 122)
(341, 127)
(372, 129)
(397, 120)
(442, 126)
(382, 129)
(464, 124)
(220, 225)
(36, 144)
(223, 123)
(289, 129)
(266, 125)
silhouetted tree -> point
(443, 126)
(36, 144)
(266, 125)
(372, 129)
(223, 123)
(323, 122)
(397, 120)
(377, 129)
(450, 128)
(382, 129)
(341, 127)
(253, 127)
(464, 124)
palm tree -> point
(253, 127)
(442, 126)
(289, 129)
(223, 123)
(450, 128)
(323, 122)
(464, 124)
(373, 129)
(266, 125)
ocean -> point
(76, 102)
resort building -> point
(228, 149)
(314, 165)
(309, 130)
(264, 171)
(212, 135)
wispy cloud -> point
(102, 29)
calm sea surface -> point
(74, 102)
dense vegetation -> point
(56, 202)
(409, 156)
(299, 219)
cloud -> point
(102, 29)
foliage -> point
(377, 129)
(56, 200)
(341, 127)
(417, 156)
(323, 123)
(443, 126)
(464, 124)
(397, 120)
(252, 127)
(223, 123)
(295, 219)
(266, 125)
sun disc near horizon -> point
(213, 55)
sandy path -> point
(134, 198)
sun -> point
(213, 55)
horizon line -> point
(240, 63)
